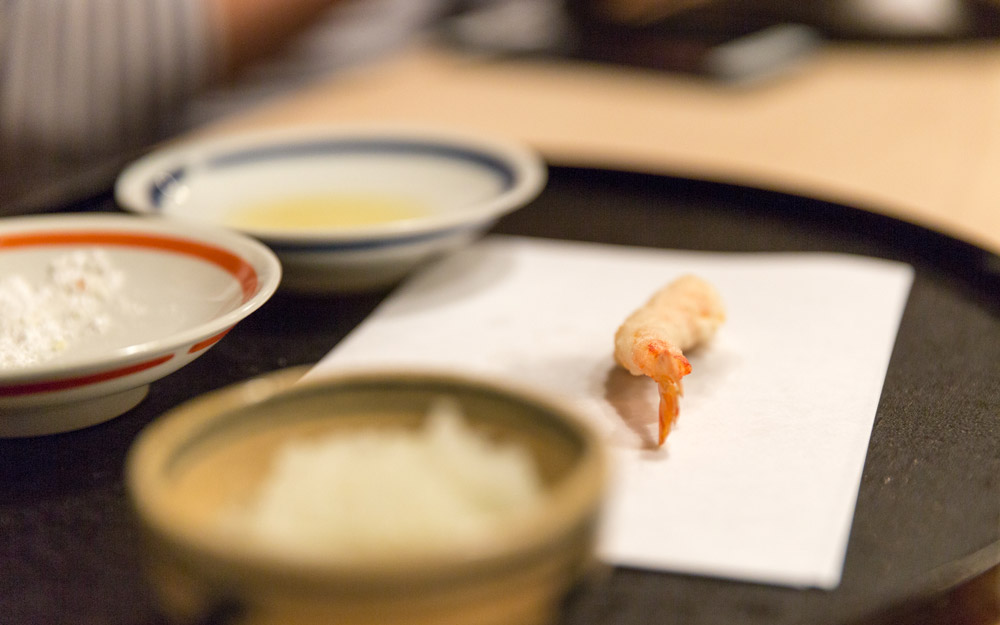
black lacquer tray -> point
(928, 515)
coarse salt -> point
(78, 298)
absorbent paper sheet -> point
(759, 477)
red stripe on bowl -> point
(16, 390)
(212, 340)
(236, 266)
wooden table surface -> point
(911, 132)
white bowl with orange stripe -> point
(168, 292)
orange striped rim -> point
(212, 340)
(236, 266)
(49, 386)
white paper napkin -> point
(759, 477)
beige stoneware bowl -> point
(193, 462)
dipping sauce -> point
(326, 211)
(384, 492)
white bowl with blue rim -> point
(345, 208)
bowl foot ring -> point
(75, 415)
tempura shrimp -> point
(652, 341)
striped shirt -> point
(84, 81)
(86, 85)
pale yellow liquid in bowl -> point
(326, 212)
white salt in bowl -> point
(182, 289)
(190, 467)
(346, 208)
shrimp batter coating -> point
(652, 341)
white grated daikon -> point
(391, 491)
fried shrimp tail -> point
(652, 340)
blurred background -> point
(86, 86)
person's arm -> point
(252, 29)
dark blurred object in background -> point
(880, 20)
(732, 41)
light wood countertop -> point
(910, 132)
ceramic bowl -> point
(195, 462)
(345, 208)
(181, 289)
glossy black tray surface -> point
(928, 514)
